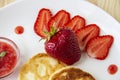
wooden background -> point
(110, 6)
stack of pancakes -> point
(44, 67)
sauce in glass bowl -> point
(9, 56)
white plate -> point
(25, 12)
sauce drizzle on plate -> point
(112, 69)
(19, 29)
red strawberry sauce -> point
(112, 69)
(8, 62)
(19, 29)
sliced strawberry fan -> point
(65, 36)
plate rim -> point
(85, 1)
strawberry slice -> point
(99, 47)
(87, 33)
(76, 23)
(41, 23)
(59, 20)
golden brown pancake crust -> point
(71, 73)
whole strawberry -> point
(63, 45)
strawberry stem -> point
(51, 33)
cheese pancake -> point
(39, 67)
(71, 73)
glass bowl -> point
(9, 56)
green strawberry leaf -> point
(50, 33)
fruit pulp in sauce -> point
(8, 62)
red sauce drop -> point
(19, 30)
(112, 69)
(8, 62)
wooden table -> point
(110, 6)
